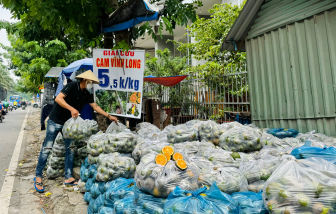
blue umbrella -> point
(87, 64)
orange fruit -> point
(168, 149)
(161, 159)
(177, 156)
(181, 164)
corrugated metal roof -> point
(241, 26)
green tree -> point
(5, 80)
(32, 60)
(164, 65)
(209, 35)
(81, 21)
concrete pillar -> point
(162, 44)
(195, 62)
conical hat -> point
(88, 75)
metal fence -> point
(220, 98)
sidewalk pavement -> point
(24, 197)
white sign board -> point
(120, 74)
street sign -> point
(120, 74)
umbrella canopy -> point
(54, 72)
(87, 64)
(166, 81)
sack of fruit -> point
(202, 200)
(92, 126)
(222, 158)
(145, 147)
(115, 128)
(241, 140)
(300, 188)
(123, 142)
(160, 174)
(95, 144)
(283, 133)
(228, 179)
(119, 189)
(210, 131)
(115, 166)
(317, 139)
(250, 202)
(146, 203)
(182, 133)
(192, 148)
(259, 170)
(76, 128)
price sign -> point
(120, 74)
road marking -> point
(7, 186)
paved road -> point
(9, 133)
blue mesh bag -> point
(200, 201)
(119, 189)
(146, 203)
(306, 151)
(95, 191)
(283, 133)
(84, 173)
(88, 184)
(124, 206)
(250, 202)
(105, 210)
(87, 197)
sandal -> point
(40, 184)
(72, 183)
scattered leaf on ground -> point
(47, 194)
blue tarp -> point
(130, 23)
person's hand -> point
(74, 113)
(112, 118)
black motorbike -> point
(15, 107)
(10, 108)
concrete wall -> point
(162, 43)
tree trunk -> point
(123, 35)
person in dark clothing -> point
(68, 103)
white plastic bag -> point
(241, 139)
(298, 188)
(115, 128)
(182, 133)
(228, 179)
(76, 128)
(160, 180)
(113, 166)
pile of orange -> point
(167, 154)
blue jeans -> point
(52, 130)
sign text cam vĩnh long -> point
(118, 93)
